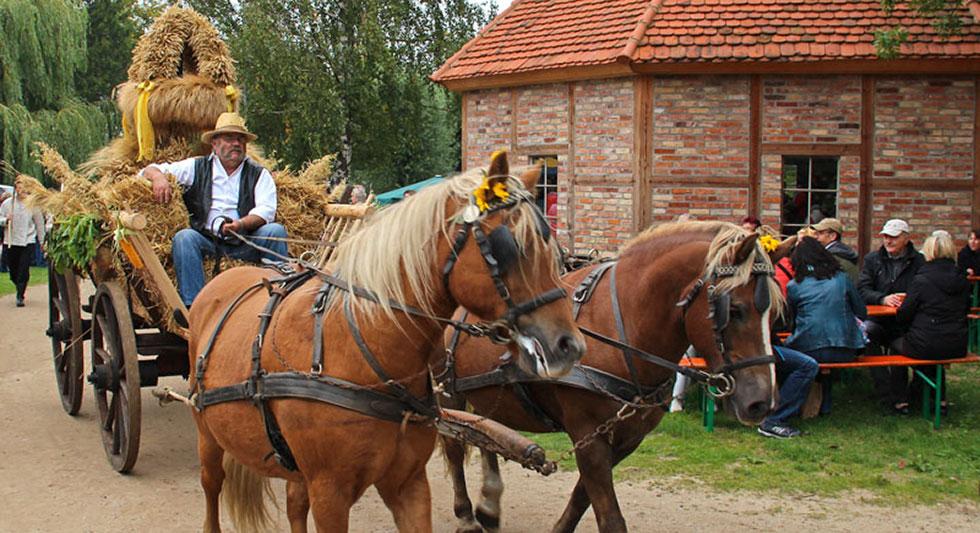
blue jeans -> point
(798, 370)
(191, 247)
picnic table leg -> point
(709, 410)
(936, 387)
(937, 405)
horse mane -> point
(725, 239)
(392, 255)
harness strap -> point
(583, 293)
(621, 328)
(319, 315)
(492, 265)
(334, 391)
(399, 390)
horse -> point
(364, 332)
(706, 284)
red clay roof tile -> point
(551, 34)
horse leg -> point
(488, 511)
(297, 506)
(455, 453)
(580, 501)
(212, 477)
(330, 504)
(409, 501)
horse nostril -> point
(569, 347)
(757, 410)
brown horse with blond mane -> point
(365, 333)
(706, 284)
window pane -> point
(796, 173)
(547, 193)
(794, 207)
(824, 173)
(822, 205)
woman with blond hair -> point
(934, 313)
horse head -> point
(502, 266)
(727, 320)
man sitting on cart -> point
(226, 193)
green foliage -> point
(42, 48)
(42, 51)
(112, 33)
(75, 129)
(945, 15)
(351, 77)
(39, 276)
(896, 459)
(73, 241)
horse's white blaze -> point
(766, 340)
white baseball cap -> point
(894, 227)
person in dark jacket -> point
(828, 232)
(884, 279)
(934, 310)
(969, 258)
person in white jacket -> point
(23, 228)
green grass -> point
(885, 459)
(39, 276)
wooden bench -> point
(933, 383)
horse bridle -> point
(719, 306)
(499, 251)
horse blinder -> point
(504, 248)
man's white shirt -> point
(224, 190)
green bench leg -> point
(937, 390)
(707, 409)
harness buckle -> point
(721, 385)
(500, 332)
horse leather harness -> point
(594, 380)
(397, 404)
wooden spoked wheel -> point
(115, 376)
(65, 330)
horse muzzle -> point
(548, 356)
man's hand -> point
(893, 300)
(162, 191)
(970, 272)
(235, 226)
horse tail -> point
(244, 494)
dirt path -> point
(55, 476)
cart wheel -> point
(65, 330)
(115, 376)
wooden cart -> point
(133, 325)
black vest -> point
(197, 197)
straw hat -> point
(229, 123)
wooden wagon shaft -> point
(135, 223)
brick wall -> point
(700, 128)
(542, 114)
(800, 109)
(603, 183)
(923, 127)
(488, 125)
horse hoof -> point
(471, 527)
(490, 523)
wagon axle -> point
(105, 377)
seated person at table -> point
(934, 310)
(223, 192)
(884, 279)
(825, 306)
(829, 231)
(795, 371)
(968, 260)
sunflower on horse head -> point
(339, 368)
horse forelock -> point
(721, 252)
(392, 255)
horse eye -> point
(736, 312)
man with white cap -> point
(224, 192)
(884, 279)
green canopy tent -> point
(395, 195)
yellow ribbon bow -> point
(144, 127)
(231, 93)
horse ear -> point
(530, 178)
(784, 249)
(498, 164)
(745, 249)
